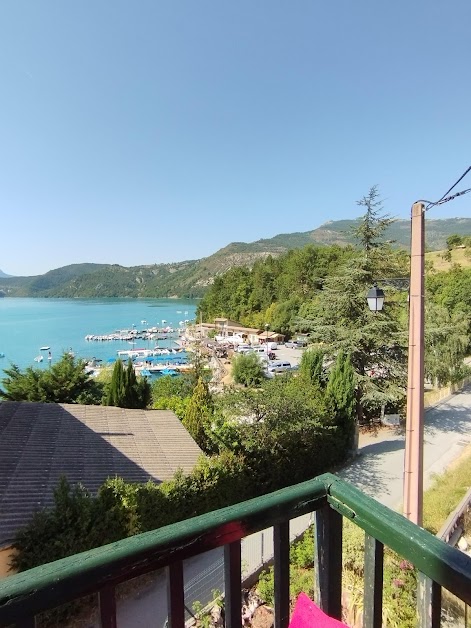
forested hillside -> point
(274, 290)
(322, 291)
(191, 278)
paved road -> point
(377, 470)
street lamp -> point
(375, 298)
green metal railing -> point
(24, 595)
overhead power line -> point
(445, 198)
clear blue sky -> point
(146, 132)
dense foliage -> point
(262, 439)
(172, 393)
(65, 381)
(273, 289)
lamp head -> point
(375, 298)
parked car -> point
(279, 366)
(296, 344)
(244, 349)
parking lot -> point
(291, 355)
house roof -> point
(39, 442)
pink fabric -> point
(307, 615)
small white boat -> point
(38, 358)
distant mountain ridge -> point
(190, 278)
(2, 274)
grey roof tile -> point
(87, 444)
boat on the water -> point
(168, 371)
(44, 348)
(38, 358)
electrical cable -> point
(445, 198)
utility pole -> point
(414, 461)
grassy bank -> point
(446, 492)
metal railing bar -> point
(107, 603)
(281, 573)
(373, 593)
(328, 561)
(441, 563)
(63, 580)
(51, 585)
(232, 585)
(175, 595)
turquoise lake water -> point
(62, 324)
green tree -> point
(199, 369)
(341, 393)
(373, 223)
(454, 240)
(285, 422)
(172, 393)
(446, 255)
(125, 389)
(311, 366)
(247, 369)
(340, 319)
(66, 381)
(198, 415)
(446, 344)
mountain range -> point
(191, 278)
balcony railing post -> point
(232, 585)
(373, 596)
(175, 595)
(328, 561)
(429, 602)
(107, 601)
(281, 567)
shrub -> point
(64, 382)
(247, 369)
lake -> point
(26, 325)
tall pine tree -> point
(199, 412)
(126, 390)
(341, 395)
(311, 366)
(340, 319)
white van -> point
(264, 350)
